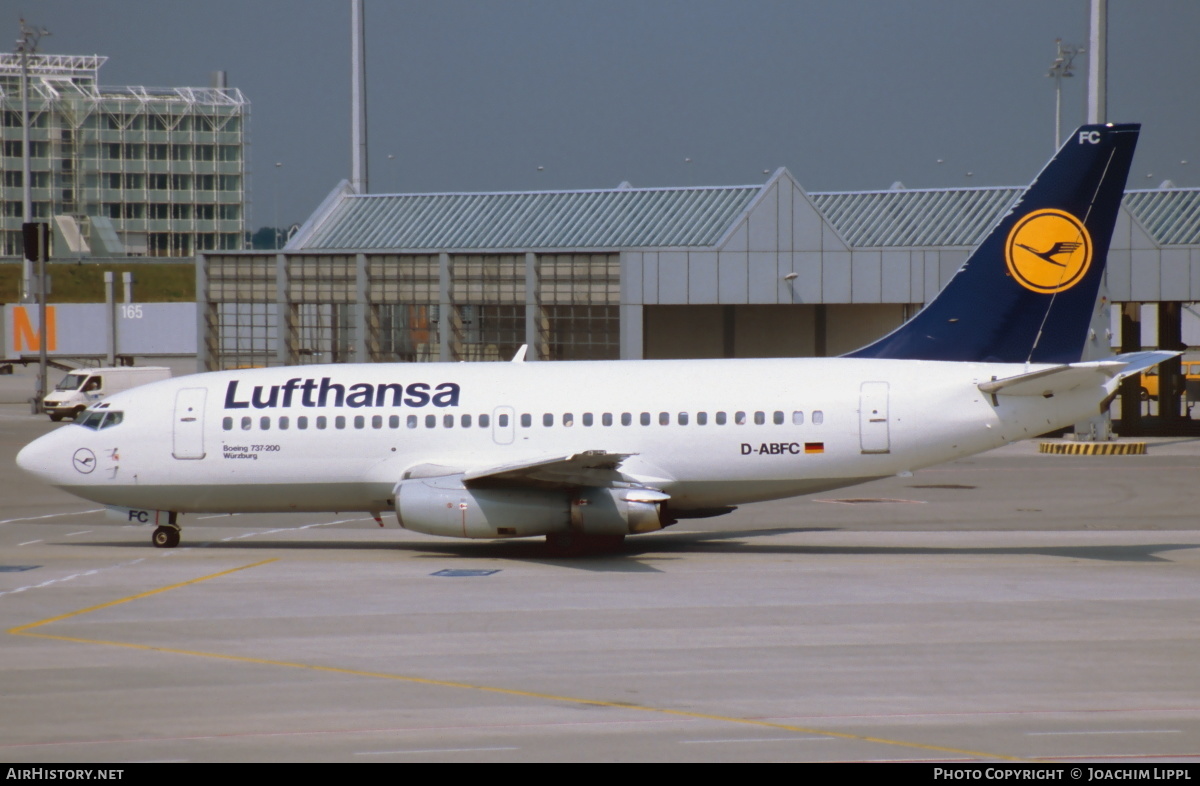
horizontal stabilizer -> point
(1063, 379)
(589, 468)
(1137, 362)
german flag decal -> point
(814, 447)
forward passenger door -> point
(188, 437)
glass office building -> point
(122, 170)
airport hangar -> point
(733, 271)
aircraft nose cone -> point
(25, 459)
(35, 458)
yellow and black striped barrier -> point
(1094, 448)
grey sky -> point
(470, 95)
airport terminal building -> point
(730, 271)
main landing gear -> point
(166, 536)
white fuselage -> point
(266, 440)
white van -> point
(82, 388)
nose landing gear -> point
(166, 536)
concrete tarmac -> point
(1008, 606)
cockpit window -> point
(99, 419)
(91, 419)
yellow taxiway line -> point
(29, 628)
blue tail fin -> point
(1028, 292)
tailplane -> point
(1028, 292)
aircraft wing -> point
(1061, 379)
(589, 468)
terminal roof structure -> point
(613, 218)
(682, 218)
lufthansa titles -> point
(324, 392)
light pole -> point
(1061, 67)
(26, 46)
(278, 166)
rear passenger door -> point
(873, 418)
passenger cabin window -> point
(339, 422)
(302, 422)
(739, 418)
(720, 418)
(321, 421)
(626, 418)
(645, 419)
(682, 419)
(484, 421)
(430, 421)
(526, 420)
(466, 421)
(818, 417)
(587, 418)
(797, 418)
(606, 419)
(412, 421)
(227, 424)
(547, 419)
(283, 423)
(701, 418)
(246, 424)
(664, 418)
(760, 418)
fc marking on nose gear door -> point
(1048, 251)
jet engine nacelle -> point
(444, 506)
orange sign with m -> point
(25, 338)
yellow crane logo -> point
(1048, 251)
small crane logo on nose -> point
(84, 461)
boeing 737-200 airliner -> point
(589, 452)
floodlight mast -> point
(1098, 62)
(26, 46)
(358, 100)
(1061, 67)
